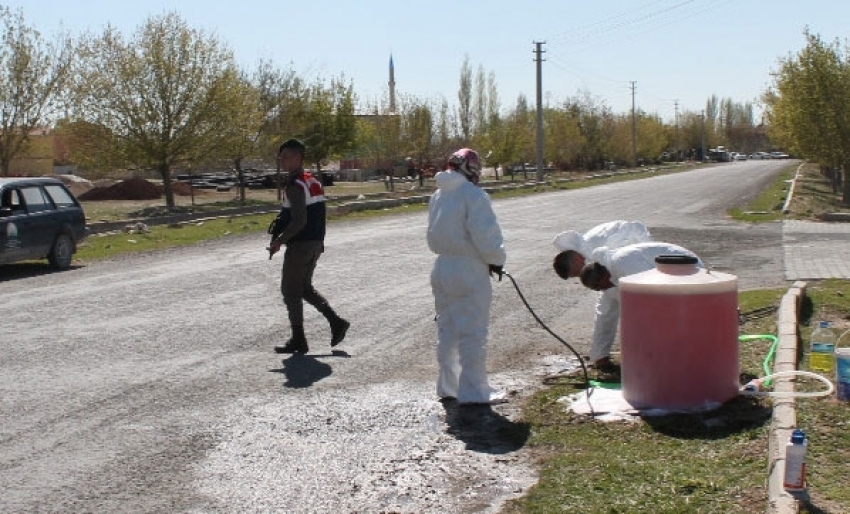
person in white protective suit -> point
(576, 250)
(464, 233)
(604, 275)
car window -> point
(35, 200)
(11, 199)
(60, 196)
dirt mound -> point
(181, 188)
(131, 189)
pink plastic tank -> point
(679, 329)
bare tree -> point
(464, 97)
(33, 75)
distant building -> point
(39, 157)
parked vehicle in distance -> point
(740, 157)
(39, 218)
(778, 155)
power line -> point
(603, 27)
(605, 33)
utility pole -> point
(702, 115)
(538, 52)
(634, 128)
(676, 109)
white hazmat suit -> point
(464, 233)
(621, 262)
(593, 246)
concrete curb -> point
(786, 207)
(784, 419)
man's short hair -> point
(593, 274)
(561, 263)
(292, 144)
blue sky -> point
(676, 52)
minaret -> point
(392, 85)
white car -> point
(740, 157)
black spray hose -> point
(580, 360)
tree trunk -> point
(240, 178)
(165, 173)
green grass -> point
(767, 206)
(159, 237)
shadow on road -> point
(483, 429)
(303, 370)
(28, 269)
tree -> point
(243, 135)
(562, 135)
(33, 76)
(479, 103)
(418, 129)
(90, 147)
(331, 127)
(282, 97)
(464, 98)
(808, 106)
(166, 95)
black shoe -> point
(292, 347)
(607, 370)
(338, 329)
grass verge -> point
(160, 237)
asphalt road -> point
(148, 384)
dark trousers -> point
(296, 281)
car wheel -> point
(62, 252)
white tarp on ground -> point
(609, 405)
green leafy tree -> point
(91, 147)
(596, 124)
(418, 129)
(166, 94)
(378, 136)
(243, 135)
(283, 99)
(331, 127)
(653, 138)
(563, 136)
(808, 106)
(33, 75)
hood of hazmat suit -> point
(613, 234)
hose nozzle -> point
(753, 386)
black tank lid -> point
(676, 259)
